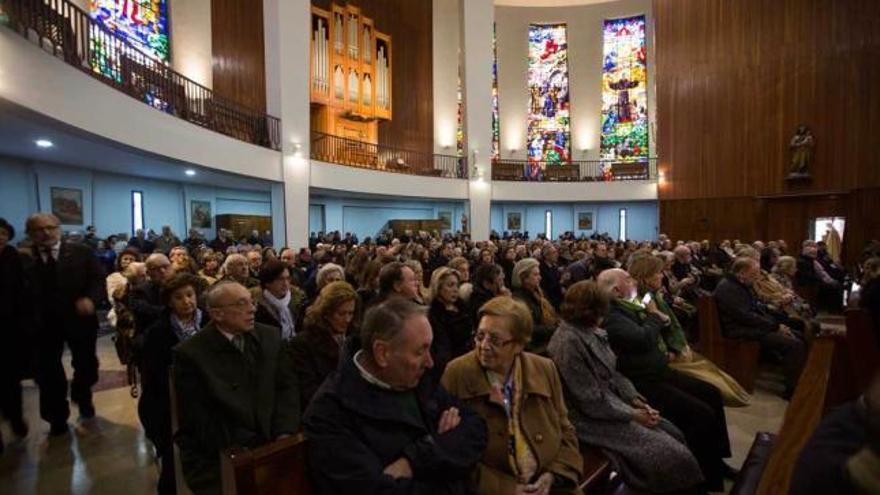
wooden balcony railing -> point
(69, 32)
(342, 151)
(579, 171)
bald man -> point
(634, 330)
(66, 282)
(234, 384)
(144, 299)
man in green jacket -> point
(234, 386)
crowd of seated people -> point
(406, 360)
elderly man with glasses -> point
(66, 282)
(234, 384)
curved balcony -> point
(575, 171)
(342, 151)
(67, 32)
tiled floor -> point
(109, 454)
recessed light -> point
(190, 172)
(44, 143)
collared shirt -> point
(367, 375)
(55, 249)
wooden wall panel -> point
(408, 22)
(734, 79)
(239, 58)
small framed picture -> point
(67, 205)
(585, 220)
(200, 214)
(514, 220)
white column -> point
(477, 17)
(287, 36)
(446, 28)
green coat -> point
(224, 402)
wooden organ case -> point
(350, 81)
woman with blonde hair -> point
(526, 286)
(520, 396)
(450, 320)
(647, 271)
(416, 267)
(315, 351)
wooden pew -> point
(811, 399)
(862, 352)
(737, 357)
(278, 467)
(596, 471)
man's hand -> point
(84, 306)
(449, 420)
(784, 330)
(399, 469)
(646, 417)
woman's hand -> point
(540, 487)
(646, 417)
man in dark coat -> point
(144, 299)
(234, 385)
(66, 283)
(742, 317)
(16, 349)
(377, 427)
(550, 275)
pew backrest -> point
(278, 467)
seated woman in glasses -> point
(607, 410)
(532, 446)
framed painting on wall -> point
(67, 205)
(446, 218)
(514, 220)
(200, 214)
(585, 220)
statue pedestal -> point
(795, 178)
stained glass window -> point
(624, 90)
(496, 123)
(143, 23)
(548, 129)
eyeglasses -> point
(241, 304)
(492, 339)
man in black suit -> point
(144, 300)
(234, 384)
(66, 283)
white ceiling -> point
(547, 3)
(20, 127)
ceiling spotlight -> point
(190, 172)
(44, 143)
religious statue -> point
(801, 146)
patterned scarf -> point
(509, 394)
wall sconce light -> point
(512, 151)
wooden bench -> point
(596, 471)
(862, 352)
(737, 357)
(812, 397)
(278, 467)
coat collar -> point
(473, 377)
(220, 342)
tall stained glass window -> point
(624, 90)
(496, 123)
(143, 23)
(549, 140)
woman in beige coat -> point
(532, 446)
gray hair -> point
(325, 271)
(217, 291)
(385, 321)
(232, 258)
(521, 268)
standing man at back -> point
(66, 283)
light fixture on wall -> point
(190, 172)
(44, 143)
(512, 151)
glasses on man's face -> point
(241, 304)
(492, 340)
(45, 228)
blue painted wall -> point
(365, 217)
(25, 188)
(642, 218)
